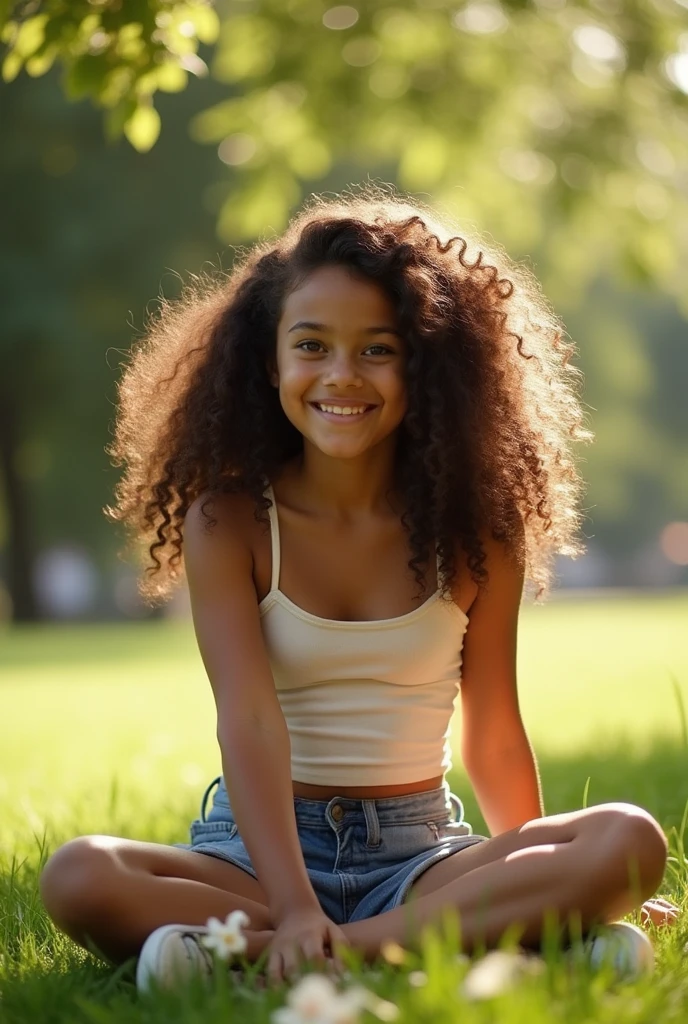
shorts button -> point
(337, 812)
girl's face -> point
(338, 344)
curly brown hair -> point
(485, 446)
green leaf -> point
(205, 21)
(8, 30)
(142, 128)
(11, 66)
(30, 35)
(41, 62)
(171, 77)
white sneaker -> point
(171, 954)
(623, 946)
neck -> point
(346, 488)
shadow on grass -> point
(655, 778)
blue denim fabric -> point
(362, 856)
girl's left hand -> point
(659, 912)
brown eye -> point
(385, 350)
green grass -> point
(110, 729)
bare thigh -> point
(100, 884)
(171, 862)
(595, 828)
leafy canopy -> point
(529, 117)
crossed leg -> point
(591, 865)
(585, 866)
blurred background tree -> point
(561, 128)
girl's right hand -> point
(303, 935)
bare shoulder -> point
(224, 515)
(219, 569)
(504, 564)
(218, 526)
(218, 545)
(504, 559)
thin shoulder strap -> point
(275, 539)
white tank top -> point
(366, 703)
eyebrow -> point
(311, 325)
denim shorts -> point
(362, 856)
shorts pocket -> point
(212, 831)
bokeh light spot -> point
(359, 53)
(389, 83)
(656, 157)
(341, 17)
(481, 18)
(674, 543)
(237, 149)
(676, 70)
(599, 44)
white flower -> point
(497, 973)
(315, 1000)
(227, 940)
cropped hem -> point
(420, 869)
(210, 850)
(364, 775)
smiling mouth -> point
(344, 414)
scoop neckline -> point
(276, 594)
(279, 595)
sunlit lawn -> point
(111, 729)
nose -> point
(342, 373)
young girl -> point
(361, 443)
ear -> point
(272, 374)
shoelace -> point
(193, 946)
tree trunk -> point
(19, 547)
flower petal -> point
(237, 919)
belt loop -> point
(372, 823)
(204, 801)
(458, 808)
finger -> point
(275, 971)
(337, 940)
(290, 962)
(313, 950)
(334, 967)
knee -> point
(77, 879)
(639, 842)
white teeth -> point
(345, 410)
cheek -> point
(294, 379)
(398, 386)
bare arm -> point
(251, 730)
(495, 748)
